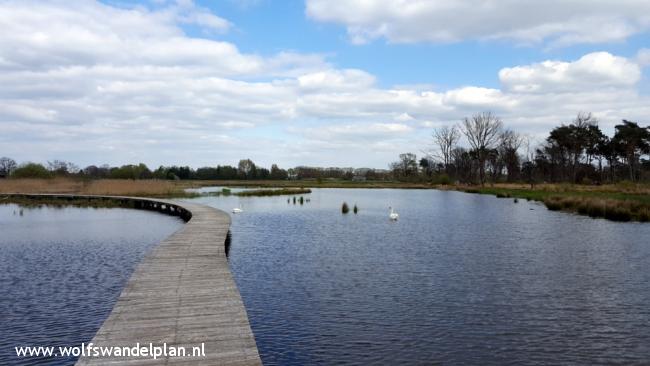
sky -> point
(348, 83)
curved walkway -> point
(181, 295)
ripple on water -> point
(459, 279)
(62, 270)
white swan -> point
(237, 210)
(393, 215)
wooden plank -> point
(182, 294)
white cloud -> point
(560, 22)
(356, 131)
(478, 97)
(600, 70)
(404, 117)
(643, 57)
(191, 14)
(99, 80)
(338, 80)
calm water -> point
(459, 279)
(61, 270)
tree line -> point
(575, 152)
(477, 150)
(246, 169)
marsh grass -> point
(37, 202)
(620, 202)
(273, 192)
(112, 187)
(612, 209)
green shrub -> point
(31, 170)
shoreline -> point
(617, 202)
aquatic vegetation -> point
(113, 187)
(272, 192)
(612, 209)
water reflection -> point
(228, 243)
(62, 269)
(458, 279)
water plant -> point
(612, 209)
(273, 192)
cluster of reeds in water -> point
(345, 208)
(616, 210)
(300, 200)
(273, 192)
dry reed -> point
(115, 187)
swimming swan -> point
(393, 215)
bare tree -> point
(406, 166)
(7, 165)
(61, 167)
(509, 144)
(445, 139)
(246, 169)
(482, 131)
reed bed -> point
(273, 192)
(620, 202)
(112, 187)
(615, 210)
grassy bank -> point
(621, 202)
(273, 192)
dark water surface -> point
(62, 269)
(459, 279)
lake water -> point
(62, 269)
(458, 279)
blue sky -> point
(314, 82)
(267, 27)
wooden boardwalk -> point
(183, 295)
